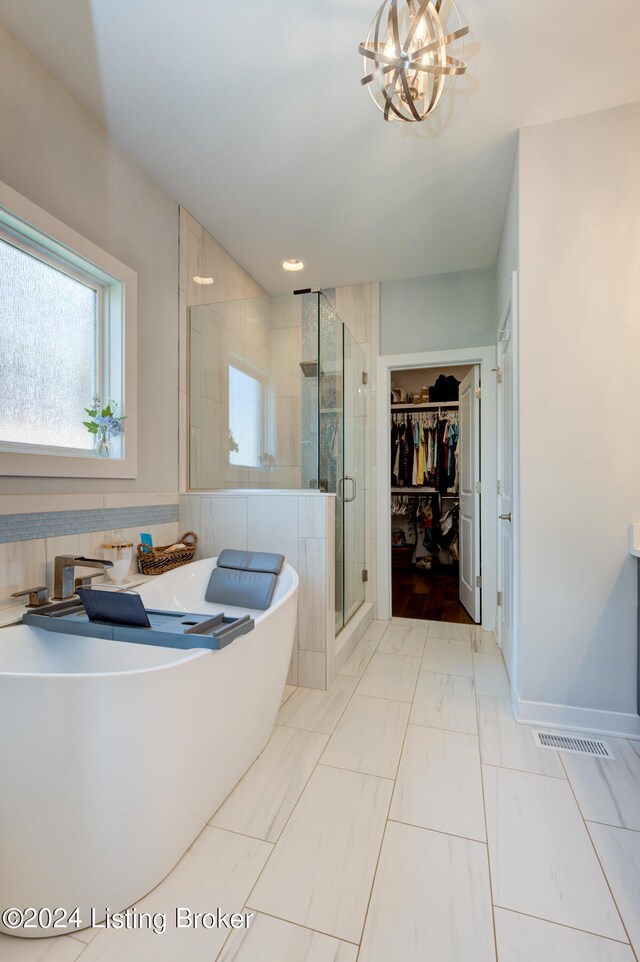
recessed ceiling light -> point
(293, 265)
(203, 280)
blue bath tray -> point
(121, 616)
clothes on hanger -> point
(424, 450)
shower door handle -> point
(347, 477)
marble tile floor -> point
(404, 815)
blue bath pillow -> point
(241, 589)
(251, 561)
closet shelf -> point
(425, 406)
(420, 490)
(417, 490)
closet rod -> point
(423, 406)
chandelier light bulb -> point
(420, 32)
(408, 67)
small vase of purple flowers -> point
(105, 425)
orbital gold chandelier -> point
(408, 68)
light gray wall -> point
(580, 460)
(56, 153)
(438, 312)
(508, 250)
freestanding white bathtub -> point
(114, 756)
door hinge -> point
(478, 392)
(479, 581)
(478, 487)
(498, 373)
(499, 599)
(365, 574)
(499, 487)
(365, 377)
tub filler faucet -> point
(64, 585)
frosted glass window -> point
(48, 352)
(245, 419)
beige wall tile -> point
(312, 517)
(223, 523)
(213, 263)
(312, 599)
(190, 520)
(183, 347)
(40, 503)
(22, 565)
(353, 304)
(286, 346)
(236, 280)
(288, 446)
(140, 500)
(311, 669)
(184, 260)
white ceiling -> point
(251, 114)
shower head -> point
(309, 368)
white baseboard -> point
(616, 724)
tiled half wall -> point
(34, 529)
(298, 524)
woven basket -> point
(155, 561)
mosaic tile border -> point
(54, 524)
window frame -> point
(246, 367)
(31, 229)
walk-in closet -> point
(435, 490)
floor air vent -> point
(594, 747)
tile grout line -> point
(523, 771)
(622, 828)
(300, 925)
(393, 701)
(355, 771)
(563, 925)
(290, 816)
(585, 822)
(373, 651)
(267, 860)
(438, 728)
(387, 819)
(486, 824)
(602, 869)
(288, 819)
(439, 831)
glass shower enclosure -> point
(277, 399)
(334, 425)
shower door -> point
(331, 431)
(353, 487)
(342, 410)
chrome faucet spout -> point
(92, 563)
(63, 571)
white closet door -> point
(469, 538)
(505, 499)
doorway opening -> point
(435, 492)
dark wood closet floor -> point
(433, 596)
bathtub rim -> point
(190, 654)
